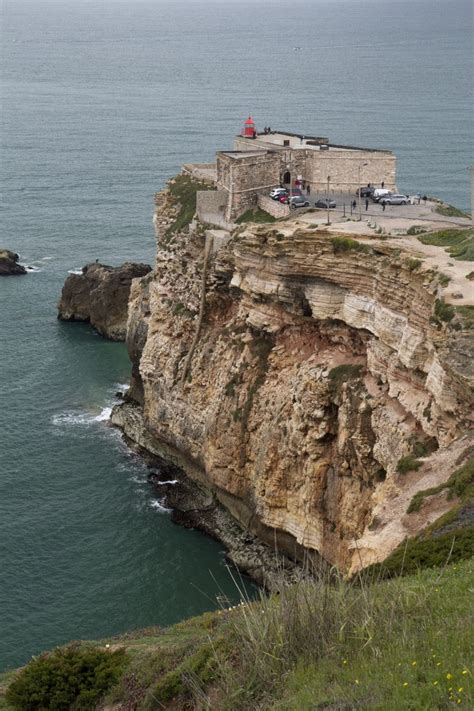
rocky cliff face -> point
(322, 370)
(100, 296)
(9, 263)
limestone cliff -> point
(100, 296)
(315, 389)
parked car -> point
(276, 192)
(365, 192)
(295, 192)
(380, 193)
(325, 203)
(394, 200)
(298, 201)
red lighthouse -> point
(249, 130)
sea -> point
(101, 102)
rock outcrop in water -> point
(9, 263)
(327, 384)
(100, 296)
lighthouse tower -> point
(249, 130)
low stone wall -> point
(201, 171)
(273, 207)
(211, 206)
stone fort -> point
(262, 161)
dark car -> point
(295, 192)
(365, 192)
(298, 201)
(325, 203)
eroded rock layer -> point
(100, 296)
(320, 364)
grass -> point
(413, 264)
(458, 243)
(183, 188)
(403, 643)
(470, 276)
(460, 484)
(450, 211)
(255, 215)
(408, 464)
(346, 244)
(442, 312)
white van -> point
(379, 193)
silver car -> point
(394, 200)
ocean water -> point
(101, 102)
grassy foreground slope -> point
(404, 643)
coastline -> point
(193, 505)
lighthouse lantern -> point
(249, 130)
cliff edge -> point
(311, 383)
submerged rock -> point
(99, 296)
(9, 263)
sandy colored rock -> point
(100, 296)
(9, 263)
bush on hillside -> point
(73, 677)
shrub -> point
(71, 677)
(342, 373)
(450, 211)
(460, 484)
(470, 276)
(442, 311)
(346, 244)
(183, 189)
(415, 230)
(413, 264)
(255, 215)
(408, 464)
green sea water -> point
(101, 103)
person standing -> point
(308, 189)
(366, 204)
(383, 183)
(383, 206)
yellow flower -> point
(460, 690)
(344, 661)
(438, 664)
(413, 664)
(405, 683)
(464, 671)
(356, 681)
(435, 683)
(459, 701)
(449, 676)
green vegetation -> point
(71, 677)
(408, 464)
(465, 315)
(347, 244)
(413, 264)
(459, 243)
(442, 312)
(183, 188)
(443, 279)
(180, 309)
(450, 211)
(255, 215)
(415, 230)
(384, 645)
(342, 373)
(460, 484)
(470, 276)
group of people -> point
(267, 129)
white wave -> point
(104, 414)
(78, 417)
(121, 386)
(162, 483)
(31, 269)
(46, 259)
(72, 417)
(158, 506)
(75, 271)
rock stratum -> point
(100, 296)
(9, 263)
(310, 383)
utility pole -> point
(327, 200)
(360, 198)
